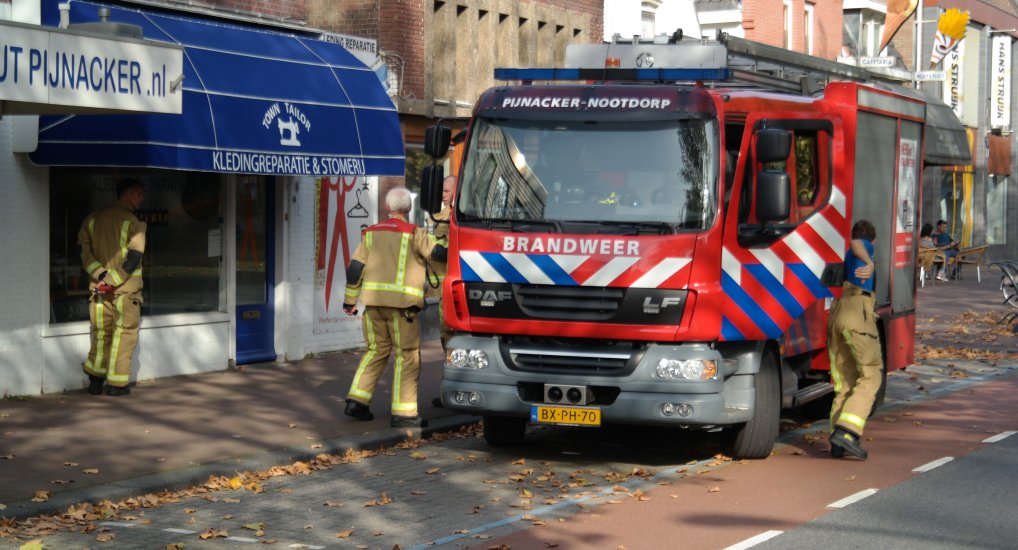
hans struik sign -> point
(46, 70)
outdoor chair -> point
(969, 256)
(929, 258)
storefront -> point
(255, 197)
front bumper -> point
(635, 397)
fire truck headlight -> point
(687, 369)
(467, 358)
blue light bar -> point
(646, 75)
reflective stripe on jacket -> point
(393, 253)
(105, 237)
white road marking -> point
(999, 437)
(116, 524)
(242, 539)
(935, 464)
(179, 531)
(306, 547)
(753, 541)
(852, 499)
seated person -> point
(926, 236)
(943, 240)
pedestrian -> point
(387, 274)
(854, 346)
(112, 243)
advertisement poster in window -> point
(344, 207)
(904, 220)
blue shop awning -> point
(255, 102)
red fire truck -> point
(654, 235)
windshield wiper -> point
(516, 225)
(659, 228)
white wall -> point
(624, 17)
(297, 317)
(24, 248)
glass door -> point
(254, 269)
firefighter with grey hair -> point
(387, 274)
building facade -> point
(979, 201)
(255, 194)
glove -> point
(103, 288)
(350, 309)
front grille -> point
(576, 357)
(569, 303)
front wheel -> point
(504, 431)
(755, 439)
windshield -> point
(655, 173)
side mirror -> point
(436, 141)
(773, 145)
(773, 196)
(431, 188)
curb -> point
(190, 476)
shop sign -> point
(953, 86)
(364, 49)
(1000, 81)
(43, 67)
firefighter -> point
(387, 274)
(441, 236)
(854, 347)
(112, 244)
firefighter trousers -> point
(113, 337)
(853, 344)
(388, 329)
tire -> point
(504, 431)
(755, 439)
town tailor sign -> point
(47, 70)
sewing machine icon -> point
(288, 131)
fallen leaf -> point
(714, 489)
(418, 493)
(41, 496)
(519, 461)
(174, 546)
(32, 545)
(214, 533)
(432, 471)
(90, 471)
(292, 425)
(461, 532)
(235, 483)
(71, 464)
(104, 537)
(254, 526)
(344, 534)
(7, 457)
(333, 504)
(417, 455)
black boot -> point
(95, 384)
(847, 442)
(117, 391)
(357, 410)
(408, 422)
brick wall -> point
(436, 43)
(763, 21)
(276, 9)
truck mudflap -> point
(639, 395)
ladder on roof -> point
(765, 65)
(727, 59)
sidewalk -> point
(175, 432)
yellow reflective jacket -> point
(393, 253)
(438, 269)
(105, 237)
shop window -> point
(182, 267)
(996, 209)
